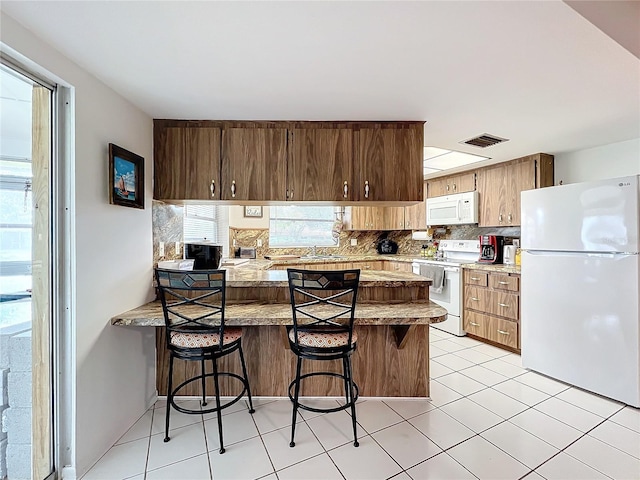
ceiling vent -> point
(485, 140)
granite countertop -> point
(259, 313)
(500, 268)
(264, 264)
(254, 274)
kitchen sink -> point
(321, 256)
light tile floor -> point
(487, 418)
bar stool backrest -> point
(323, 301)
(193, 301)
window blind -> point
(207, 223)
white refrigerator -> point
(580, 313)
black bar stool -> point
(193, 304)
(319, 298)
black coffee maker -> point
(206, 256)
(387, 246)
(491, 248)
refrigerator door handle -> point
(559, 253)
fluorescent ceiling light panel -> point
(431, 152)
(450, 159)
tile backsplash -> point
(168, 228)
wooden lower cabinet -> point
(364, 265)
(370, 265)
(492, 307)
(497, 330)
(315, 266)
(397, 266)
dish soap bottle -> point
(423, 253)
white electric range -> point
(454, 254)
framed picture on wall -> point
(126, 177)
(251, 211)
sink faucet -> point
(313, 251)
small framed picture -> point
(250, 211)
(126, 177)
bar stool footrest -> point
(324, 410)
(214, 409)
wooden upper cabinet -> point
(393, 218)
(491, 196)
(374, 218)
(320, 162)
(499, 188)
(464, 182)
(415, 216)
(187, 163)
(389, 164)
(436, 187)
(363, 218)
(254, 164)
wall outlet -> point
(161, 249)
(177, 248)
(235, 242)
(259, 242)
(354, 242)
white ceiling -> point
(537, 73)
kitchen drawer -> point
(495, 329)
(475, 323)
(502, 304)
(476, 298)
(475, 277)
(504, 282)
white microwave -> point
(456, 209)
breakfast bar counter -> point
(393, 314)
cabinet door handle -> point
(475, 299)
(474, 324)
(345, 189)
(503, 305)
(447, 187)
(503, 283)
(475, 278)
(233, 189)
(291, 195)
(502, 332)
(454, 187)
(212, 187)
(366, 189)
(408, 224)
(500, 218)
(509, 218)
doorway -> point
(27, 280)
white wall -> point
(607, 161)
(238, 220)
(115, 366)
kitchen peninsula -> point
(392, 323)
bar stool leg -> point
(353, 403)
(204, 394)
(169, 398)
(295, 402)
(246, 379)
(219, 412)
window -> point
(296, 226)
(208, 223)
